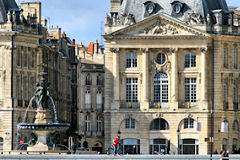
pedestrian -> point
(225, 154)
(115, 144)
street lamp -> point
(178, 134)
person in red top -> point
(115, 143)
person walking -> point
(225, 155)
(115, 143)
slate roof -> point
(5, 6)
(203, 7)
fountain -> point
(44, 123)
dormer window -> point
(151, 8)
(177, 8)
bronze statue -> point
(42, 94)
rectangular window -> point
(88, 80)
(190, 89)
(99, 124)
(188, 123)
(131, 60)
(18, 57)
(190, 60)
(88, 125)
(132, 90)
(234, 57)
(130, 123)
(225, 57)
(235, 97)
(99, 80)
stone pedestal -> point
(43, 116)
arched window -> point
(88, 101)
(1, 143)
(224, 126)
(130, 123)
(188, 123)
(224, 143)
(88, 80)
(235, 126)
(159, 124)
(99, 80)
(99, 99)
(234, 145)
(160, 88)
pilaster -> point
(174, 80)
(204, 100)
(116, 78)
(145, 91)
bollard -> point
(27, 152)
(9, 152)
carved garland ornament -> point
(160, 28)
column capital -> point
(115, 50)
(173, 50)
(144, 50)
(203, 49)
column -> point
(145, 79)
(203, 74)
(174, 80)
(116, 79)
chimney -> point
(91, 48)
(96, 46)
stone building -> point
(172, 76)
(27, 49)
(91, 95)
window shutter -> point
(224, 127)
(197, 126)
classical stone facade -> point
(91, 96)
(26, 50)
(172, 77)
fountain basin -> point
(43, 126)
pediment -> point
(158, 25)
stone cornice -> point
(156, 37)
(159, 16)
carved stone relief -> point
(195, 18)
(160, 28)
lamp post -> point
(178, 134)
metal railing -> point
(129, 105)
(187, 105)
(44, 156)
(159, 105)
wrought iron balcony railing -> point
(129, 105)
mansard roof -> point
(5, 6)
(138, 8)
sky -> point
(82, 19)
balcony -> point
(159, 105)
(99, 134)
(225, 105)
(129, 105)
(187, 105)
(235, 105)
